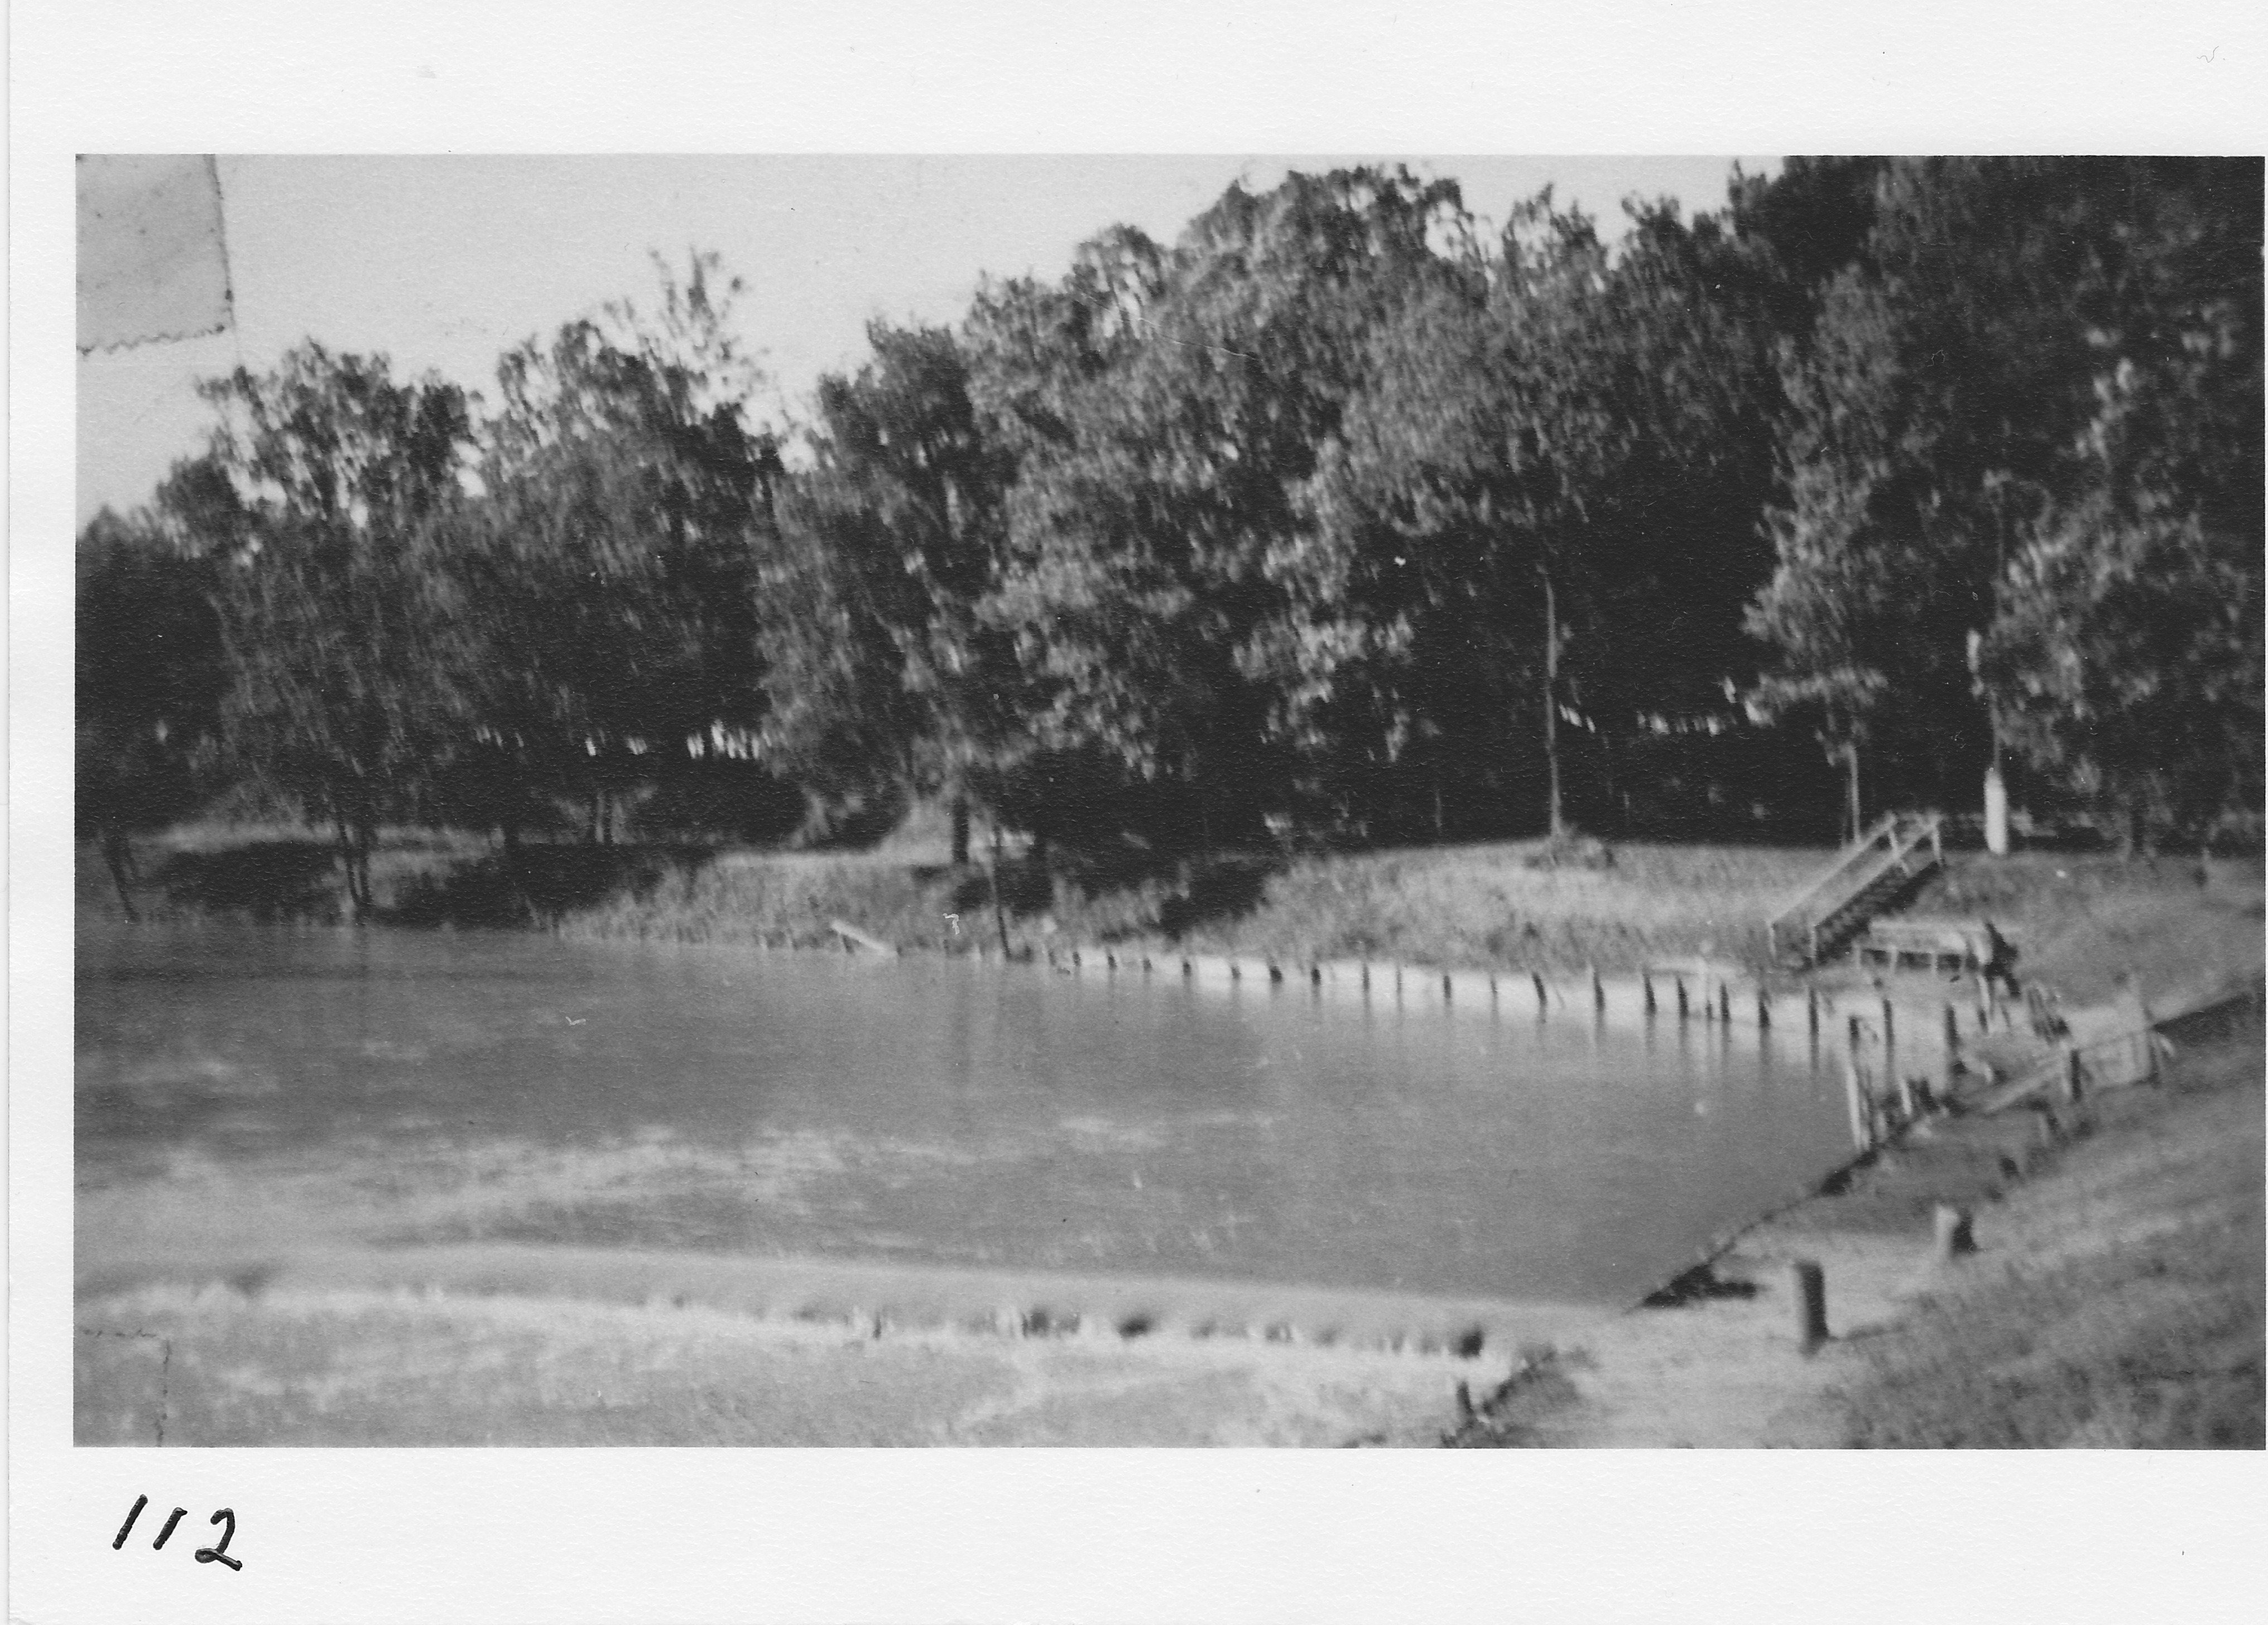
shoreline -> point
(1720, 1367)
(645, 1350)
(1719, 1360)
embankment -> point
(2114, 1298)
(2111, 1294)
(1506, 905)
(2082, 920)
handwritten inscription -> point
(216, 1553)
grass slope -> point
(1513, 904)
(2120, 1303)
(2183, 927)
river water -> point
(412, 1088)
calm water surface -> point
(469, 1085)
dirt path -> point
(2114, 1297)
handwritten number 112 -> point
(205, 1554)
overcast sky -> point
(444, 262)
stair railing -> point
(1888, 845)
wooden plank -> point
(855, 937)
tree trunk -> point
(346, 863)
(1000, 907)
(356, 840)
(1851, 757)
(514, 874)
(365, 843)
(2136, 842)
(118, 855)
(1551, 702)
(960, 831)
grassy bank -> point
(2183, 926)
(2119, 1303)
(2113, 1298)
(1507, 904)
(2082, 922)
(2116, 1298)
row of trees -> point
(2021, 509)
(1335, 512)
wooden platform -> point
(1960, 946)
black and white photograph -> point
(1487, 803)
(845, 807)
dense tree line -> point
(1336, 515)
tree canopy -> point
(2028, 355)
(1336, 515)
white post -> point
(1862, 1107)
(1996, 813)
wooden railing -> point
(2073, 1069)
(1835, 903)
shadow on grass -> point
(1026, 888)
(1221, 890)
(539, 885)
(270, 880)
(1191, 893)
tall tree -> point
(323, 499)
(1156, 523)
(613, 557)
(148, 682)
(2125, 662)
(1947, 407)
(1544, 495)
(889, 544)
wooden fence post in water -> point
(1598, 990)
(1811, 1008)
(1543, 994)
(1909, 1098)
(1810, 1283)
(1645, 989)
(1889, 1030)
(1862, 1110)
(1724, 1003)
(1952, 1038)
(1680, 998)
(1955, 1235)
(2074, 1081)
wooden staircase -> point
(1866, 876)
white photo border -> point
(573, 1535)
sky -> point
(443, 263)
